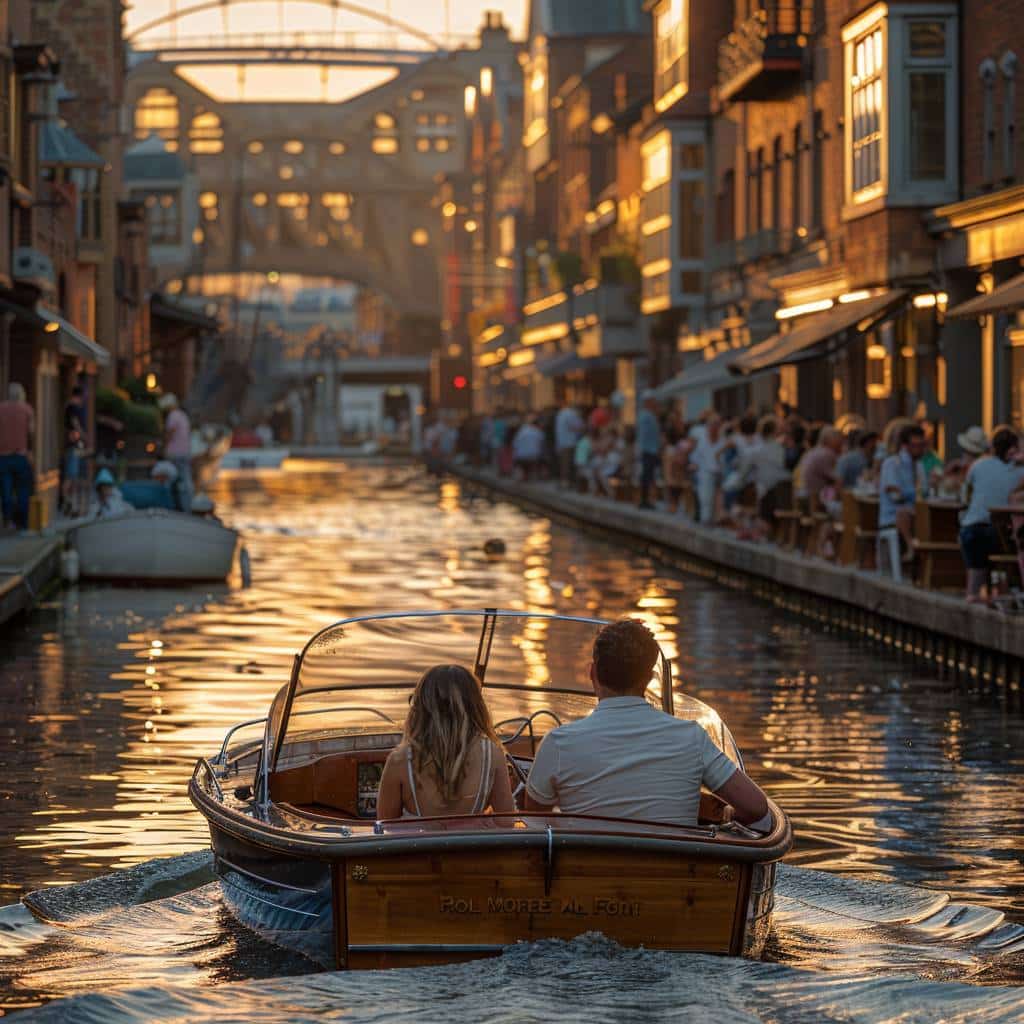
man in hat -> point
(178, 448)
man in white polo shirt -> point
(627, 759)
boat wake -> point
(156, 942)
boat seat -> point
(346, 781)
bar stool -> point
(887, 552)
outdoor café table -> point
(937, 543)
(860, 528)
(1008, 521)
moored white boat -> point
(153, 545)
(254, 458)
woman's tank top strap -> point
(412, 784)
(484, 791)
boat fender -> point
(70, 565)
(245, 565)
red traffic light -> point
(459, 383)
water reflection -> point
(886, 772)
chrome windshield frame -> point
(487, 616)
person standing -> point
(17, 427)
(528, 449)
(568, 430)
(709, 446)
(648, 444)
(897, 487)
(993, 480)
(178, 447)
(73, 468)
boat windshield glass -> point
(356, 677)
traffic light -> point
(450, 386)
(459, 382)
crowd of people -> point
(741, 472)
(83, 493)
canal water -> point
(903, 898)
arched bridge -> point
(334, 178)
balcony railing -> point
(765, 53)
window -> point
(206, 134)
(385, 135)
(867, 98)
(725, 219)
(797, 183)
(901, 106)
(691, 220)
(434, 131)
(778, 159)
(755, 170)
(163, 215)
(671, 56)
(535, 94)
(817, 169)
(157, 114)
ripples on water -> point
(108, 696)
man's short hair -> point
(910, 433)
(625, 654)
(1004, 441)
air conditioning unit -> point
(30, 266)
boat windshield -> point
(356, 677)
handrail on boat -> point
(204, 766)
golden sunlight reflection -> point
(114, 694)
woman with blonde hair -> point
(450, 760)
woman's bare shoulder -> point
(400, 752)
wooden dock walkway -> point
(28, 563)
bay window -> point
(671, 57)
(901, 107)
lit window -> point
(535, 99)
(330, 199)
(255, 147)
(420, 237)
(259, 199)
(208, 200)
(163, 217)
(434, 131)
(385, 135)
(293, 146)
(336, 148)
(206, 135)
(866, 99)
(657, 161)
(671, 60)
(286, 173)
(157, 114)
(901, 70)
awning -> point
(711, 375)
(73, 342)
(808, 340)
(1007, 298)
(569, 362)
(167, 309)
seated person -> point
(107, 501)
(627, 759)
(450, 760)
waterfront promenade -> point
(961, 639)
(28, 564)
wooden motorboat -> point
(291, 806)
(155, 545)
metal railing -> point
(776, 24)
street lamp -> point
(470, 100)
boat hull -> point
(453, 898)
(254, 458)
(155, 545)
